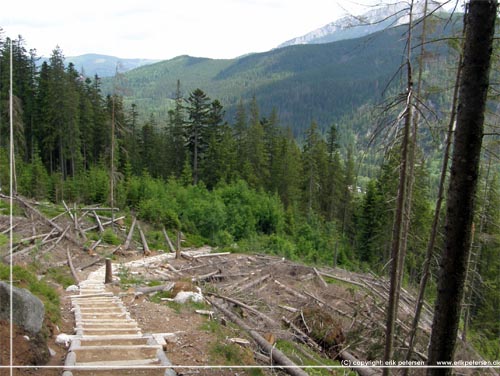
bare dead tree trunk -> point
(397, 246)
(473, 264)
(178, 248)
(435, 222)
(480, 28)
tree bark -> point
(479, 31)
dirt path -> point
(108, 341)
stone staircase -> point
(108, 341)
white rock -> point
(183, 296)
(63, 339)
(26, 338)
(52, 352)
(72, 288)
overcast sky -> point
(162, 29)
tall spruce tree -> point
(198, 114)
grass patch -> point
(61, 276)
(25, 279)
(156, 298)
(51, 210)
(302, 355)
(128, 279)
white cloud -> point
(166, 28)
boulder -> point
(28, 310)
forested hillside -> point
(323, 82)
(221, 161)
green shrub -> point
(24, 279)
(109, 237)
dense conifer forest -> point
(246, 183)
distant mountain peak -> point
(356, 26)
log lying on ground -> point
(278, 357)
(144, 241)
(71, 267)
(146, 290)
(290, 290)
(247, 307)
(99, 224)
(130, 234)
(169, 242)
(45, 219)
(104, 224)
(253, 283)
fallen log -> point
(103, 224)
(211, 255)
(49, 221)
(147, 290)
(253, 283)
(92, 263)
(205, 276)
(325, 285)
(290, 290)
(100, 209)
(169, 242)
(145, 246)
(96, 243)
(341, 279)
(130, 234)
(278, 357)
(303, 337)
(68, 211)
(71, 267)
(99, 224)
(248, 308)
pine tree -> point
(176, 134)
(198, 114)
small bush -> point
(109, 237)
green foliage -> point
(25, 279)
(301, 354)
(61, 276)
(109, 237)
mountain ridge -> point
(92, 64)
(356, 26)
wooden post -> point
(109, 272)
